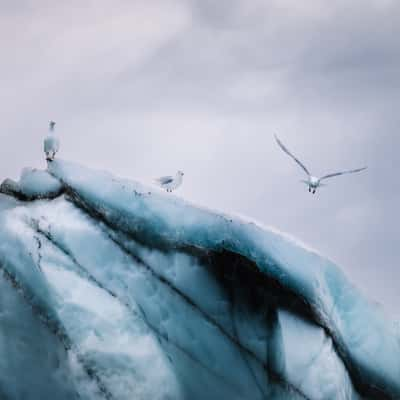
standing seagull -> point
(170, 183)
(313, 182)
(51, 143)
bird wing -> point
(282, 146)
(352, 171)
(165, 180)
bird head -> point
(52, 125)
(180, 173)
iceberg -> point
(120, 291)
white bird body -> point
(170, 183)
(51, 143)
(313, 182)
(51, 146)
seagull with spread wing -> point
(313, 182)
(170, 183)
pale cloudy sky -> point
(145, 87)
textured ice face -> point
(33, 184)
(148, 297)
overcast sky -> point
(145, 87)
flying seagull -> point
(51, 143)
(313, 182)
(170, 183)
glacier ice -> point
(119, 291)
(33, 184)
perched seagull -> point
(313, 182)
(170, 183)
(51, 143)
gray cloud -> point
(143, 88)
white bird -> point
(170, 183)
(51, 143)
(313, 182)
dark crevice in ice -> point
(39, 252)
(262, 301)
(232, 297)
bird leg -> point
(50, 155)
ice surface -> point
(33, 184)
(146, 296)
